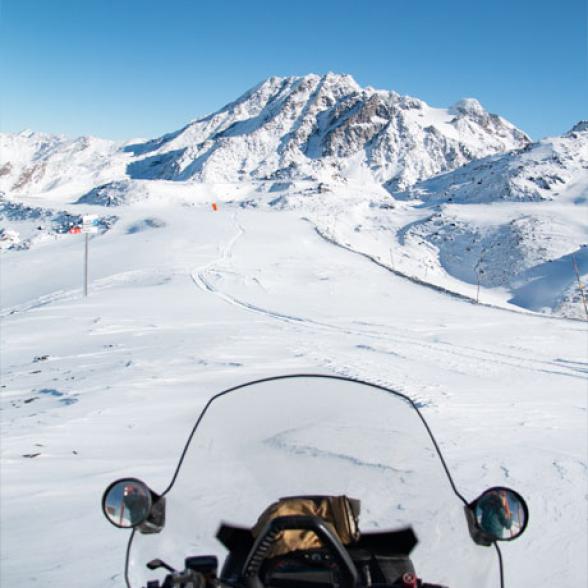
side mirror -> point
(498, 514)
(129, 503)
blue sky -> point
(139, 68)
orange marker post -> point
(214, 206)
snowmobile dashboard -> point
(378, 560)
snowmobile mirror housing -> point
(129, 503)
(498, 514)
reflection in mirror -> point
(501, 513)
(127, 503)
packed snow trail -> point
(199, 278)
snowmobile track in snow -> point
(446, 350)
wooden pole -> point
(580, 285)
(86, 266)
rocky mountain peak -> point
(579, 127)
(467, 106)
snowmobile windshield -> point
(316, 435)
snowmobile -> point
(352, 488)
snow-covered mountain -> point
(453, 197)
(323, 128)
(552, 169)
(33, 162)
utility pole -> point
(89, 225)
(478, 269)
(86, 235)
(580, 285)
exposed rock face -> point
(31, 224)
(111, 194)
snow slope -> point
(517, 221)
(185, 301)
(494, 230)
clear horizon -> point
(130, 69)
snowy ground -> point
(184, 302)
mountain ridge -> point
(320, 128)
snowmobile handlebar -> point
(200, 571)
(273, 528)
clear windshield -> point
(316, 436)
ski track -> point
(444, 349)
(57, 296)
(96, 285)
